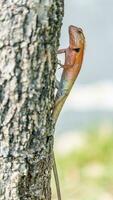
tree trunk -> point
(29, 38)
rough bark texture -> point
(29, 38)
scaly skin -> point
(73, 61)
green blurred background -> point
(84, 131)
(86, 169)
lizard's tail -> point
(56, 178)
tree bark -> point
(29, 39)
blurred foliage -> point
(87, 172)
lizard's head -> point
(76, 38)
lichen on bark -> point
(29, 38)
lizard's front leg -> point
(61, 51)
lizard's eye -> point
(77, 49)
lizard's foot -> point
(61, 65)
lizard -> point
(71, 68)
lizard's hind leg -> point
(57, 83)
(60, 99)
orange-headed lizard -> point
(73, 61)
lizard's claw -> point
(59, 62)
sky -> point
(95, 17)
